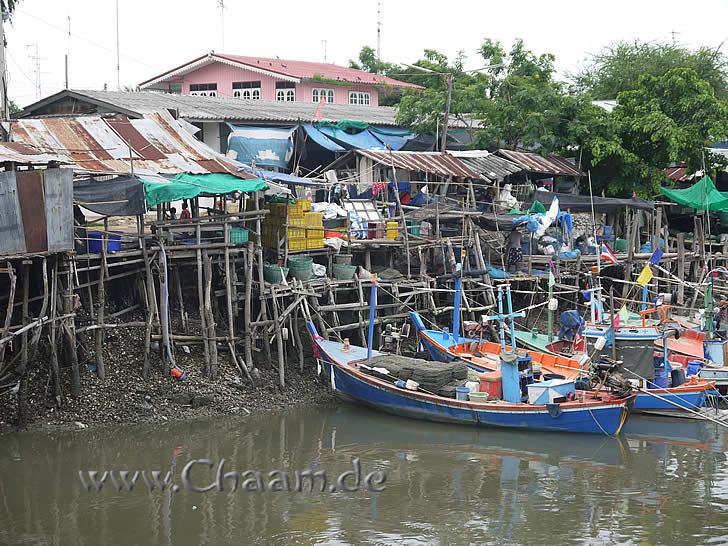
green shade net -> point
(188, 186)
(537, 207)
(700, 196)
(344, 125)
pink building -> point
(257, 78)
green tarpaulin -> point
(188, 186)
(700, 196)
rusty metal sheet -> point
(134, 138)
(32, 207)
(439, 163)
(535, 163)
(93, 144)
(12, 237)
(58, 189)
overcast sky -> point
(156, 35)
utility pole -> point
(118, 68)
(445, 123)
(4, 110)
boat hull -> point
(670, 398)
(600, 419)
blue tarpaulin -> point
(283, 178)
(321, 139)
(266, 146)
(339, 140)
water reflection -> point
(663, 482)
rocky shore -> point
(125, 398)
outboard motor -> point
(607, 373)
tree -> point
(422, 110)
(368, 62)
(9, 5)
(520, 104)
(664, 119)
(619, 67)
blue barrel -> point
(678, 377)
(661, 380)
(461, 393)
(694, 367)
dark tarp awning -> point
(582, 203)
(120, 196)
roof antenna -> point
(118, 77)
(325, 44)
(221, 5)
(379, 36)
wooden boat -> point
(484, 356)
(540, 342)
(589, 412)
(692, 345)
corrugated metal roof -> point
(193, 108)
(679, 174)
(297, 70)
(487, 164)
(17, 152)
(157, 143)
(535, 163)
(440, 163)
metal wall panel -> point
(58, 186)
(32, 207)
(12, 237)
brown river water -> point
(663, 482)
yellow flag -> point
(645, 276)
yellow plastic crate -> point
(297, 209)
(317, 233)
(314, 243)
(297, 244)
(314, 219)
(306, 205)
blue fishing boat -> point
(350, 378)
(361, 375)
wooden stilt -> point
(297, 337)
(55, 372)
(69, 331)
(248, 305)
(279, 339)
(209, 317)
(100, 333)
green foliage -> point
(619, 67)
(9, 5)
(664, 119)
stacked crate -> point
(314, 237)
(276, 220)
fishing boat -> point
(361, 374)
(694, 346)
(654, 396)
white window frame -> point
(249, 93)
(316, 93)
(286, 95)
(210, 93)
(362, 98)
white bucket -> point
(474, 386)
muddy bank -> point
(125, 398)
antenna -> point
(325, 44)
(221, 5)
(68, 49)
(36, 60)
(379, 35)
(118, 71)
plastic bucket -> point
(113, 242)
(461, 393)
(272, 273)
(478, 396)
(659, 382)
(694, 367)
(344, 272)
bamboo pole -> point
(279, 340)
(209, 317)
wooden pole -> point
(248, 307)
(681, 267)
(201, 300)
(55, 371)
(69, 330)
(279, 339)
(209, 317)
(101, 306)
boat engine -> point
(607, 373)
